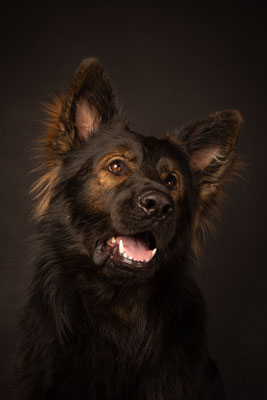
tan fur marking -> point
(180, 184)
(127, 313)
(178, 192)
(49, 147)
(42, 191)
(104, 181)
(128, 156)
(53, 112)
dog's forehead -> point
(116, 141)
(145, 149)
(157, 149)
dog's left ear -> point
(89, 103)
(211, 145)
(211, 148)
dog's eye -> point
(116, 166)
(170, 181)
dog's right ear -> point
(89, 102)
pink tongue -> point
(135, 248)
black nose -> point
(156, 203)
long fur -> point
(93, 327)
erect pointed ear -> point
(89, 102)
(211, 144)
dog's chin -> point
(134, 253)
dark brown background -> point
(170, 64)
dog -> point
(113, 311)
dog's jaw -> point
(129, 251)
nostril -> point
(150, 204)
(166, 210)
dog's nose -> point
(156, 204)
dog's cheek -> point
(124, 213)
(97, 195)
(102, 189)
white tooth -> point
(121, 248)
(153, 252)
(130, 258)
(125, 255)
(113, 240)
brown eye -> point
(116, 166)
(170, 181)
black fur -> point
(95, 328)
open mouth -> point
(130, 250)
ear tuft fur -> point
(86, 120)
(211, 147)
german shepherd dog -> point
(113, 311)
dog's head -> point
(128, 202)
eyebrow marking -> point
(124, 154)
(167, 168)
